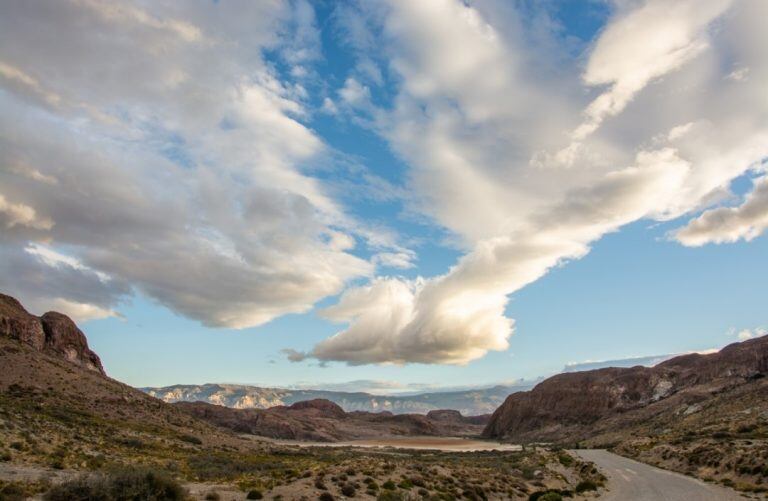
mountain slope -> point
(468, 402)
(702, 415)
(572, 405)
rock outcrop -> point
(53, 333)
(571, 406)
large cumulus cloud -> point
(528, 158)
(153, 149)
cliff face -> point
(572, 406)
(53, 333)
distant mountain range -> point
(468, 402)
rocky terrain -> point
(52, 333)
(324, 421)
(703, 415)
(61, 419)
(468, 402)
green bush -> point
(124, 485)
(388, 485)
(586, 485)
(545, 496)
(405, 484)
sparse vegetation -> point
(125, 485)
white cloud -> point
(170, 157)
(746, 334)
(82, 312)
(354, 93)
(181, 158)
(479, 102)
(729, 224)
(18, 214)
(641, 45)
(402, 260)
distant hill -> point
(468, 402)
(324, 421)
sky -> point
(385, 194)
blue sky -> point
(437, 193)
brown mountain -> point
(579, 405)
(324, 421)
(52, 333)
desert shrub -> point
(326, 496)
(224, 467)
(388, 485)
(586, 485)
(348, 490)
(191, 439)
(131, 442)
(390, 496)
(124, 485)
(5, 456)
(405, 484)
(565, 459)
(12, 492)
(255, 494)
(319, 484)
(212, 496)
(545, 496)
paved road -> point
(629, 480)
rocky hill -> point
(701, 415)
(52, 333)
(468, 402)
(324, 421)
(572, 406)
